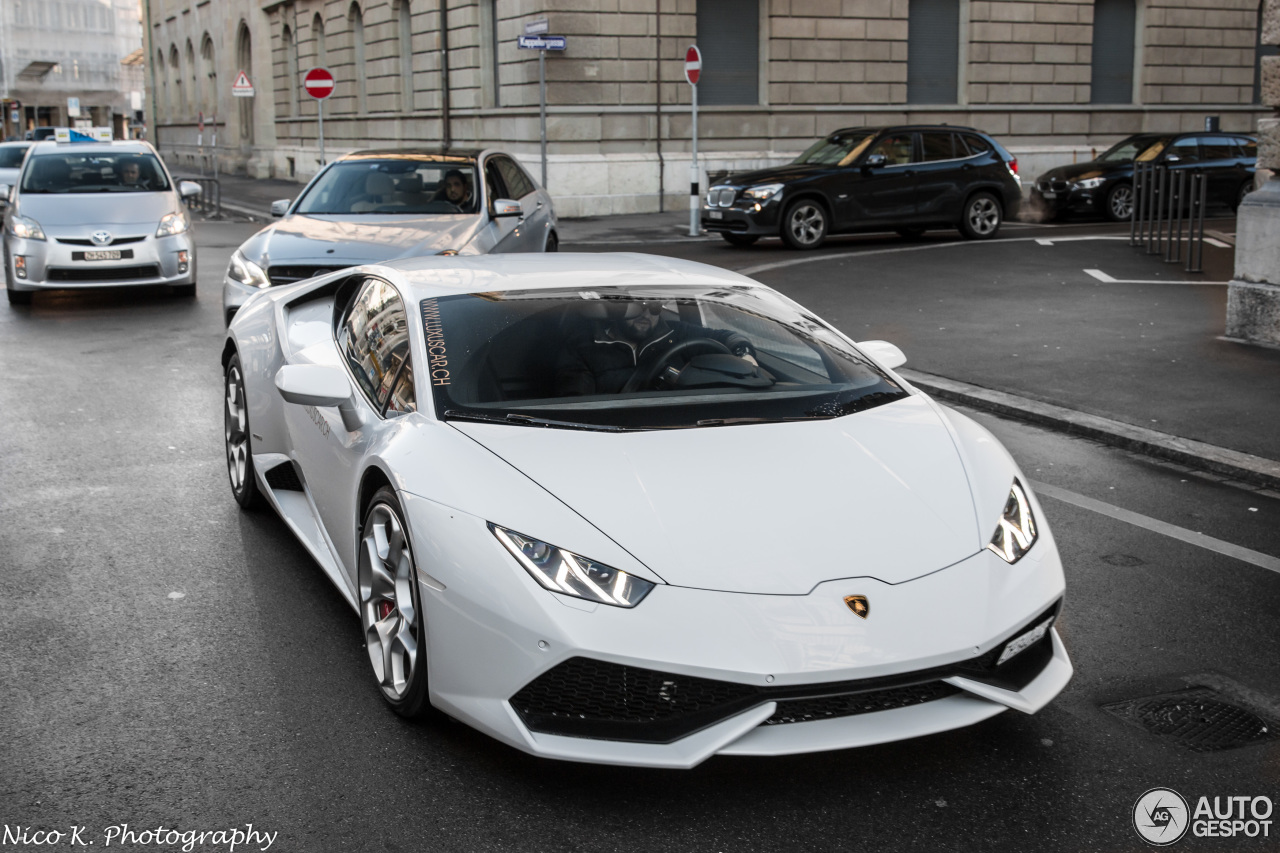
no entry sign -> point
(692, 65)
(318, 83)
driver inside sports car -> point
(634, 348)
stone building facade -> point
(1052, 79)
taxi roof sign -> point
(82, 134)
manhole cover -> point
(1199, 719)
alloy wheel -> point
(388, 607)
(1120, 202)
(807, 224)
(984, 216)
(236, 429)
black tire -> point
(804, 224)
(239, 447)
(1118, 206)
(391, 607)
(19, 297)
(739, 239)
(981, 217)
(910, 233)
(1245, 189)
(184, 290)
(553, 243)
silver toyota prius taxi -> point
(96, 214)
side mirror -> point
(506, 207)
(875, 161)
(1172, 158)
(189, 189)
(887, 354)
(281, 206)
(321, 386)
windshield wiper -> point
(527, 420)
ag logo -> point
(1160, 816)
(859, 605)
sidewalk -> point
(1226, 386)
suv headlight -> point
(26, 227)
(566, 572)
(1089, 183)
(1016, 531)
(763, 191)
(246, 271)
(172, 223)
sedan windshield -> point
(73, 172)
(11, 155)
(1144, 147)
(649, 357)
(393, 185)
(838, 149)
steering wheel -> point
(637, 381)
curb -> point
(1244, 467)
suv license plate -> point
(113, 255)
(1049, 195)
(715, 214)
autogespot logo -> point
(1160, 816)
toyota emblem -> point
(101, 238)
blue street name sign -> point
(543, 42)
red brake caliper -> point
(384, 609)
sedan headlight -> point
(26, 227)
(564, 571)
(246, 271)
(1089, 183)
(763, 191)
(173, 223)
(1016, 531)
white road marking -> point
(1100, 276)
(1049, 241)
(1106, 279)
(1213, 242)
(1218, 546)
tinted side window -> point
(374, 338)
(1187, 149)
(976, 144)
(402, 398)
(896, 149)
(518, 183)
(1216, 148)
(936, 146)
(1248, 147)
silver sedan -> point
(96, 214)
(373, 206)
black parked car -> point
(904, 179)
(1105, 185)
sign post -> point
(318, 83)
(692, 71)
(200, 140)
(535, 38)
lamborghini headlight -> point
(763, 191)
(1089, 183)
(1016, 531)
(172, 223)
(26, 227)
(566, 572)
(246, 271)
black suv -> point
(905, 179)
(1105, 185)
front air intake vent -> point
(284, 477)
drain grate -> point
(1199, 719)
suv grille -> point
(721, 196)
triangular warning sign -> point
(242, 82)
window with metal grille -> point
(729, 40)
(1114, 24)
(933, 51)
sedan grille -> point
(105, 273)
(289, 274)
(1051, 186)
(721, 196)
(85, 241)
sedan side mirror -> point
(875, 161)
(281, 206)
(1172, 158)
(887, 354)
(321, 386)
(506, 207)
(189, 189)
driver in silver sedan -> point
(635, 347)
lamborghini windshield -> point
(649, 357)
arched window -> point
(291, 79)
(244, 62)
(175, 70)
(355, 18)
(162, 75)
(406, 56)
(194, 94)
(317, 35)
(210, 70)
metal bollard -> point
(1179, 196)
(1134, 191)
(1195, 231)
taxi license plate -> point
(113, 255)
(1049, 195)
(715, 214)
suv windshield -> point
(838, 149)
(1143, 147)
(650, 357)
(393, 185)
(72, 172)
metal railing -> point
(1163, 199)
(209, 202)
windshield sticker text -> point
(437, 354)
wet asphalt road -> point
(168, 660)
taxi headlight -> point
(565, 572)
(1016, 531)
(26, 227)
(246, 271)
(173, 223)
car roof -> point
(882, 128)
(445, 275)
(116, 146)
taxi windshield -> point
(635, 358)
(392, 186)
(838, 149)
(94, 172)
